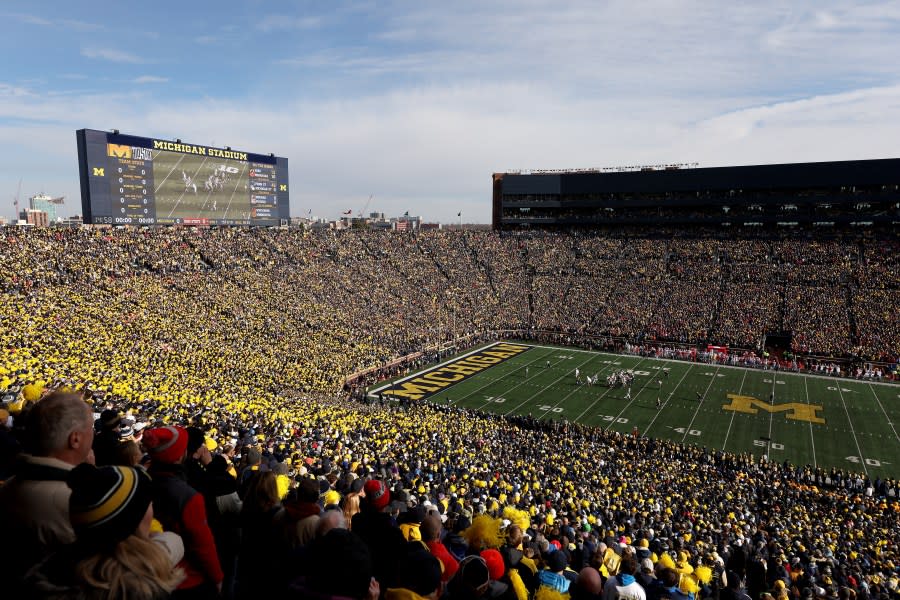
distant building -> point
(46, 204)
(35, 218)
(74, 221)
(3, 221)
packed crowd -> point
(171, 424)
(322, 499)
(354, 300)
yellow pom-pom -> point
(517, 517)
(546, 593)
(703, 574)
(32, 392)
(484, 533)
(688, 585)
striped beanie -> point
(107, 503)
(166, 444)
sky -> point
(417, 103)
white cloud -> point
(68, 24)
(111, 54)
(287, 22)
(431, 151)
(29, 19)
(150, 79)
(423, 107)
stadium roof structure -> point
(853, 192)
(655, 180)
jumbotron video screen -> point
(129, 180)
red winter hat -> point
(376, 494)
(166, 444)
(494, 561)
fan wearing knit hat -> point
(113, 556)
(107, 504)
(166, 444)
(181, 508)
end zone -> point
(427, 383)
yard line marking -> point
(541, 357)
(543, 389)
(733, 413)
(578, 418)
(577, 388)
(225, 214)
(169, 173)
(185, 189)
(862, 459)
(886, 417)
(771, 417)
(812, 438)
(672, 393)
(702, 400)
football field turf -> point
(820, 421)
(175, 200)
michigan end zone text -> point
(428, 383)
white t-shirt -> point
(614, 590)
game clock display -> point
(128, 180)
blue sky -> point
(419, 102)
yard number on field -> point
(764, 444)
(869, 461)
(613, 418)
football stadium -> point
(673, 381)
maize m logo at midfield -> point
(443, 376)
(796, 410)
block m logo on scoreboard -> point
(118, 150)
(798, 412)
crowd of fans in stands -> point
(321, 499)
(356, 299)
(170, 424)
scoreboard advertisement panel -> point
(129, 180)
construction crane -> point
(366, 205)
(16, 199)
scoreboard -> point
(129, 180)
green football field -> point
(174, 199)
(813, 420)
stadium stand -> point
(218, 359)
